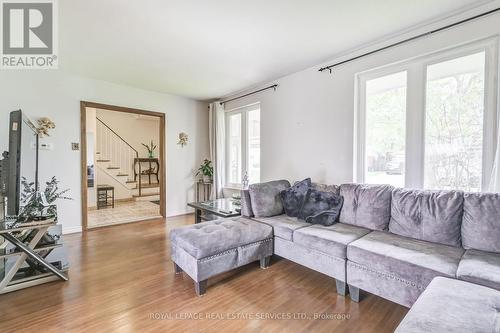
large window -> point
(454, 114)
(385, 133)
(429, 123)
(243, 145)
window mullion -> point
(244, 143)
(490, 130)
(226, 143)
(415, 126)
(360, 158)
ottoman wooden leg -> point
(341, 287)
(177, 269)
(354, 293)
(200, 287)
(264, 262)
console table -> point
(219, 207)
(28, 253)
(148, 172)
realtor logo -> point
(28, 34)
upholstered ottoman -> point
(449, 305)
(206, 249)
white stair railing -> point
(114, 148)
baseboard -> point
(136, 220)
(179, 213)
(71, 230)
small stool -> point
(105, 196)
(209, 248)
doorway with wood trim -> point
(123, 165)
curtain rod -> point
(274, 86)
(329, 68)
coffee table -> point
(219, 207)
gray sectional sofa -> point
(451, 305)
(393, 242)
(437, 252)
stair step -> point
(98, 153)
(113, 168)
(103, 160)
(145, 195)
(147, 198)
(122, 175)
(130, 181)
(147, 186)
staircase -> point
(115, 158)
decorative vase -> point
(151, 154)
(207, 179)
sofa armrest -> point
(246, 204)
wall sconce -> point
(44, 125)
(183, 139)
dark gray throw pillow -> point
(321, 207)
(293, 197)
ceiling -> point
(208, 49)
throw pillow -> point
(265, 198)
(321, 207)
(293, 197)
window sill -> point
(233, 187)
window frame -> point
(243, 110)
(416, 101)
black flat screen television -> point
(20, 162)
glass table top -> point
(222, 207)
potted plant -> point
(39, 205)
(151, 148)
(206, 170)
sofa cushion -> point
(331, 240)
(407, 258)
(283, 225)
(265, 197)
(481, 222)
(481, 268)
(321, 207)
(449, 305)
(293, 197)
(208, 238)
(434, 216)
(367, 206)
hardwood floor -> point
(122, 280)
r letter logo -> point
(29, 34)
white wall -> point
(101, 178)
(307, 125)
(57, 95)
(133, 129)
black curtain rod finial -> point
(274, 87)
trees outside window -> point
(429, 123)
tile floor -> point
(124, 212)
